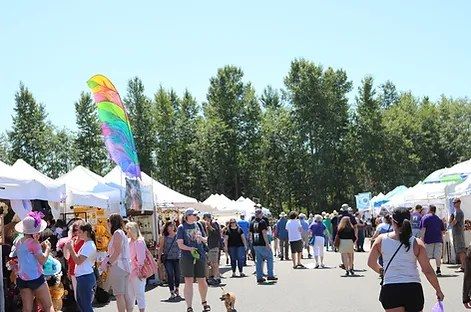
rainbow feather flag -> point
(115, 126)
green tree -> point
(62, 153)
(320, 112)
(370, 138)
(142, 122)
(164, 116)
(4, 148)
(388, 95)
(29, 136)
(233, 107)
(189, 177)
(91, 151)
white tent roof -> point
(19, 185)
(221, 202)
(163, 194)
(90, 189)
(117, 179)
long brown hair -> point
(165, 229)
(345, 224)
(116, 222)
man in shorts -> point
(457, 231)
(432, 230)
(213, 231)
(294, 228)
(191, 241)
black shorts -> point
(296, 246)
(32, 284)
(189, 268)
(407, 295)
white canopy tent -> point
(117, 179)
(15, 186)
(90, 189)
(221, 202)
(165, 195)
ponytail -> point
(405, 233)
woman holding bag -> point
(169, 255)
(401, 288)
(137, 250)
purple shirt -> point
(434, 227)
(317, 228)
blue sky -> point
(55, 46)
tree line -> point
(306, 146)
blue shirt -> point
(304, 224)
(189, 232)
(281, 229)
(317, 228)
(244, 226)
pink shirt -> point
(137, 250)
(26, 250)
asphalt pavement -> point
(305, 290)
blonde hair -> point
(134, 230)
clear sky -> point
(55, 46)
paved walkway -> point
(307, 290)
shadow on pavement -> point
(447, 275)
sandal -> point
(189, 309)
(206, 307)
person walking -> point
(305, 234)
(401, 288)
(432, 233)
(245, 227)
(457, 231)
(361, 229)
(344, 241)
(282, 234)
(169, 255)
(335, 220)
(77, 243)
(416, 219)
(317, 230)
(190, 240)
(214, 237)
(327, 221)
(236, 244)
(31, 258)
(261, 245)
(84, 266)
(137, 252)
(294, 228)
(118, 263)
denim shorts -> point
(32, 284)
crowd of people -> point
(193, 248)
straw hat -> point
(31, 224)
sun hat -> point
(52, 266)
(345, 206)
(282, 214)
(258, 206)
(31, 224)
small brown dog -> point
(229, 299)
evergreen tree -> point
(164, 116)
(62, 153)
(29, 136)
(4, 148)
(142, 123)
(91, 150)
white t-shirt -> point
(293, 226)
(88, 250)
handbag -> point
(387, 266)
(163, 257)
(337, 241)
(150, 266)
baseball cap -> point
(207, 215)
(191, 212)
